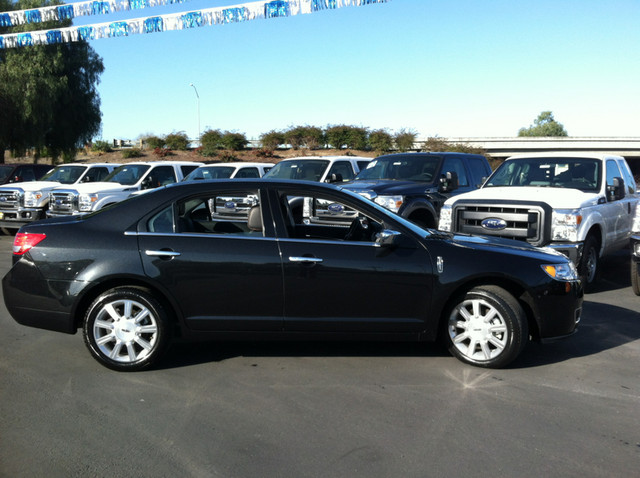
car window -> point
(235, 213)
(322, 217)
(478, 169)
(95, 174)
(160, 176)
(25, 174)
(456, 165)
(628, 179)
(247, 173)
(344, 169)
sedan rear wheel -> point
(487, 328)
(126, 329)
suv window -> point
(456, 165)
(247, 173)
(478, 169)
(161, 176)
(95, 174)
(344, 169)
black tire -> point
(487, 328)
(589, 267)
(126, 329)
(635, 277)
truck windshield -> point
(309, 170)
(211, 172)
(127, 174)
(574, 173)
(65, 174)
(404, 168)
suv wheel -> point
(126, 329)
(487, 328)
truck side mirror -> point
(147, 183)
(449, 182)
(616, 191)
(334, 178)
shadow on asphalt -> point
(604, 327)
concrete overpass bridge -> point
(500, 148)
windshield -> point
(575, 173)
(65, 174)
(211, 172)
(309, 170)
(407, 168)
(128, 174)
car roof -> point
(566, 154)
(234, 164)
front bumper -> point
(557, 309)
(16, 218)
(572, 250)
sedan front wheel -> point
(126, 329)
(487, 328)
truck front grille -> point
(9, 199)
(510, 221)
(61, 202)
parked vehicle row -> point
(182, 260)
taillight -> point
(24, 241)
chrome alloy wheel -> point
(477, 330)
(125, 330)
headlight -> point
(565, 225)
(393, 203)
(445, 218)
(562, 272)
(86, 201)
(31, 198)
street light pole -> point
(198, 101)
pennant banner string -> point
(80, 9)
(177, 21)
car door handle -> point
(304, 259)
(161, 253)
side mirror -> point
(147, 183)
(449, 182)
(334, 178)
(387, 238)
(616, 191)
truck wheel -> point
(126, 329)
(589, 267)
(635, 277)
(487, 328)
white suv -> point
(580, 204)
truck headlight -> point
(31, 198)
(86, 202)
(393, 203)
(445, 218)
(565, 225)
(562, 272)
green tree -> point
(211, 142)
(544, 125)
(177, 141)
(338, 136)
(272, 139)
(52, 91)
(234, 141)
(380, 140)
(405, 140)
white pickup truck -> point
(25, 202)
(578, 203)
(119, 185)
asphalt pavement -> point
(570, 408)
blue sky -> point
(451, 68)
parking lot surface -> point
(570, 408)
